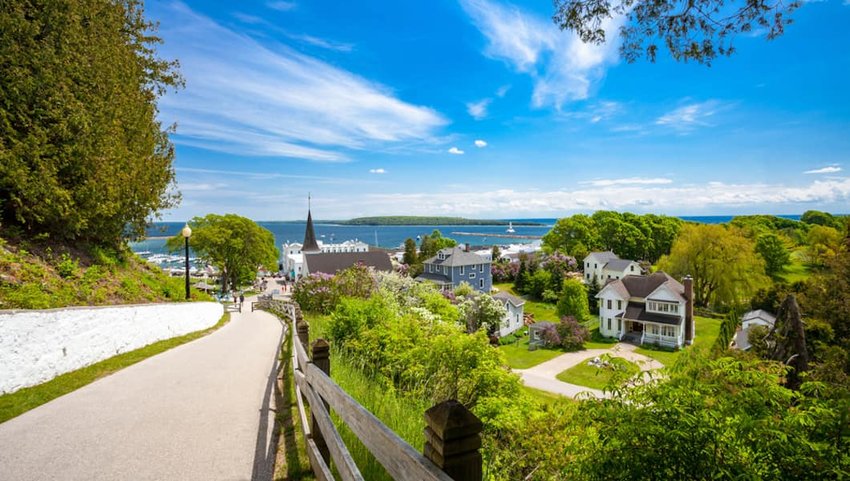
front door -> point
(637, 327)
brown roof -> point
(642, 286)
(332, 262)
(637, 311)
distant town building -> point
(653, 309)
(600, 267)
(454, 265)
(312, 255)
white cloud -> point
(480, 144)
(478, 110)
(322, 43)
(377, 171)
(245, 98)
(282, 5)
(563, 67)
(628, 181)
(455, 151)
(501, 91)
(688, 117)
(717, 196)
(831, 169)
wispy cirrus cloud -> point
(563, 67)
(455, 151)
(717, 196)
(628, 181)
(690, 116)
(242, 97)
(377, 171)
(830, 169)
(282, 6)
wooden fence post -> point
(453, 440)
(320, 353)
(303, 331)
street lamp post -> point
(187, 232)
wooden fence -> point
(452, 432)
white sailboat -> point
(510, 228)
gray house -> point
(453, 265)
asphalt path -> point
(203, 410)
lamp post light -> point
(187, 232)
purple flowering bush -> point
(572, 335)
(550, 335)
(315, 292)
(504, 271)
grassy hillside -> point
(36, 276)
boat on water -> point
(510, 229)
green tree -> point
(723, 263)
(82, 154)
(816, 217)
(410, 257)
(573, 300)
(522, 276)
(576, 236)
(431, 244)
(822, 244)
(481, 311)
(699, 30)
(496, 254)
(771, 248)
(236, 245)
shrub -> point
(573, 300)
(573, 335)
(67, 267)
(550, 335)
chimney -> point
(688, 282)
(466, 248)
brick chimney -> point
(688, 283)
(466, 247)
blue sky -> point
(485, 109)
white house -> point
(653, 309)
(514, 316)
(600, 267)
(292, 258)
(751, 319)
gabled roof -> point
(332, 262)
(618, 264)
(602, 257)
(643, 286)
(759, 314)
(504, 296)
(455, 256)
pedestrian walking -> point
(241, 298)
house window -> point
(461, 270)
(588, 276)
(481, 268)
(653, 329)
(619, 324)
(472, 275)
(594, 266)
(609, 323)
(619, 304)
(430, 268)
(668, 331)
(609, 276)
(632, 267)
(481, 283)
(609, 307)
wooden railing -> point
(452, 432)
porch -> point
(645, 332)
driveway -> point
(542, 376)
(200, 411)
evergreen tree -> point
(496, 254)
(521, 275)
(410, 257)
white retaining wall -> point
(38, 345)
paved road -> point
(542, 376)
(199, 411)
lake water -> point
(390, 237)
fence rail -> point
(452, 434)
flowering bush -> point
(315, 292)
(572, 334)
(504, 271)
(550, 335)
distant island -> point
(423, 220)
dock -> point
(501, 236)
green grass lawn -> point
(519, 357)
(797, 270)
(542, 311)
(584, 374)
(19, 402)
(707, 330)
(545, 397)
